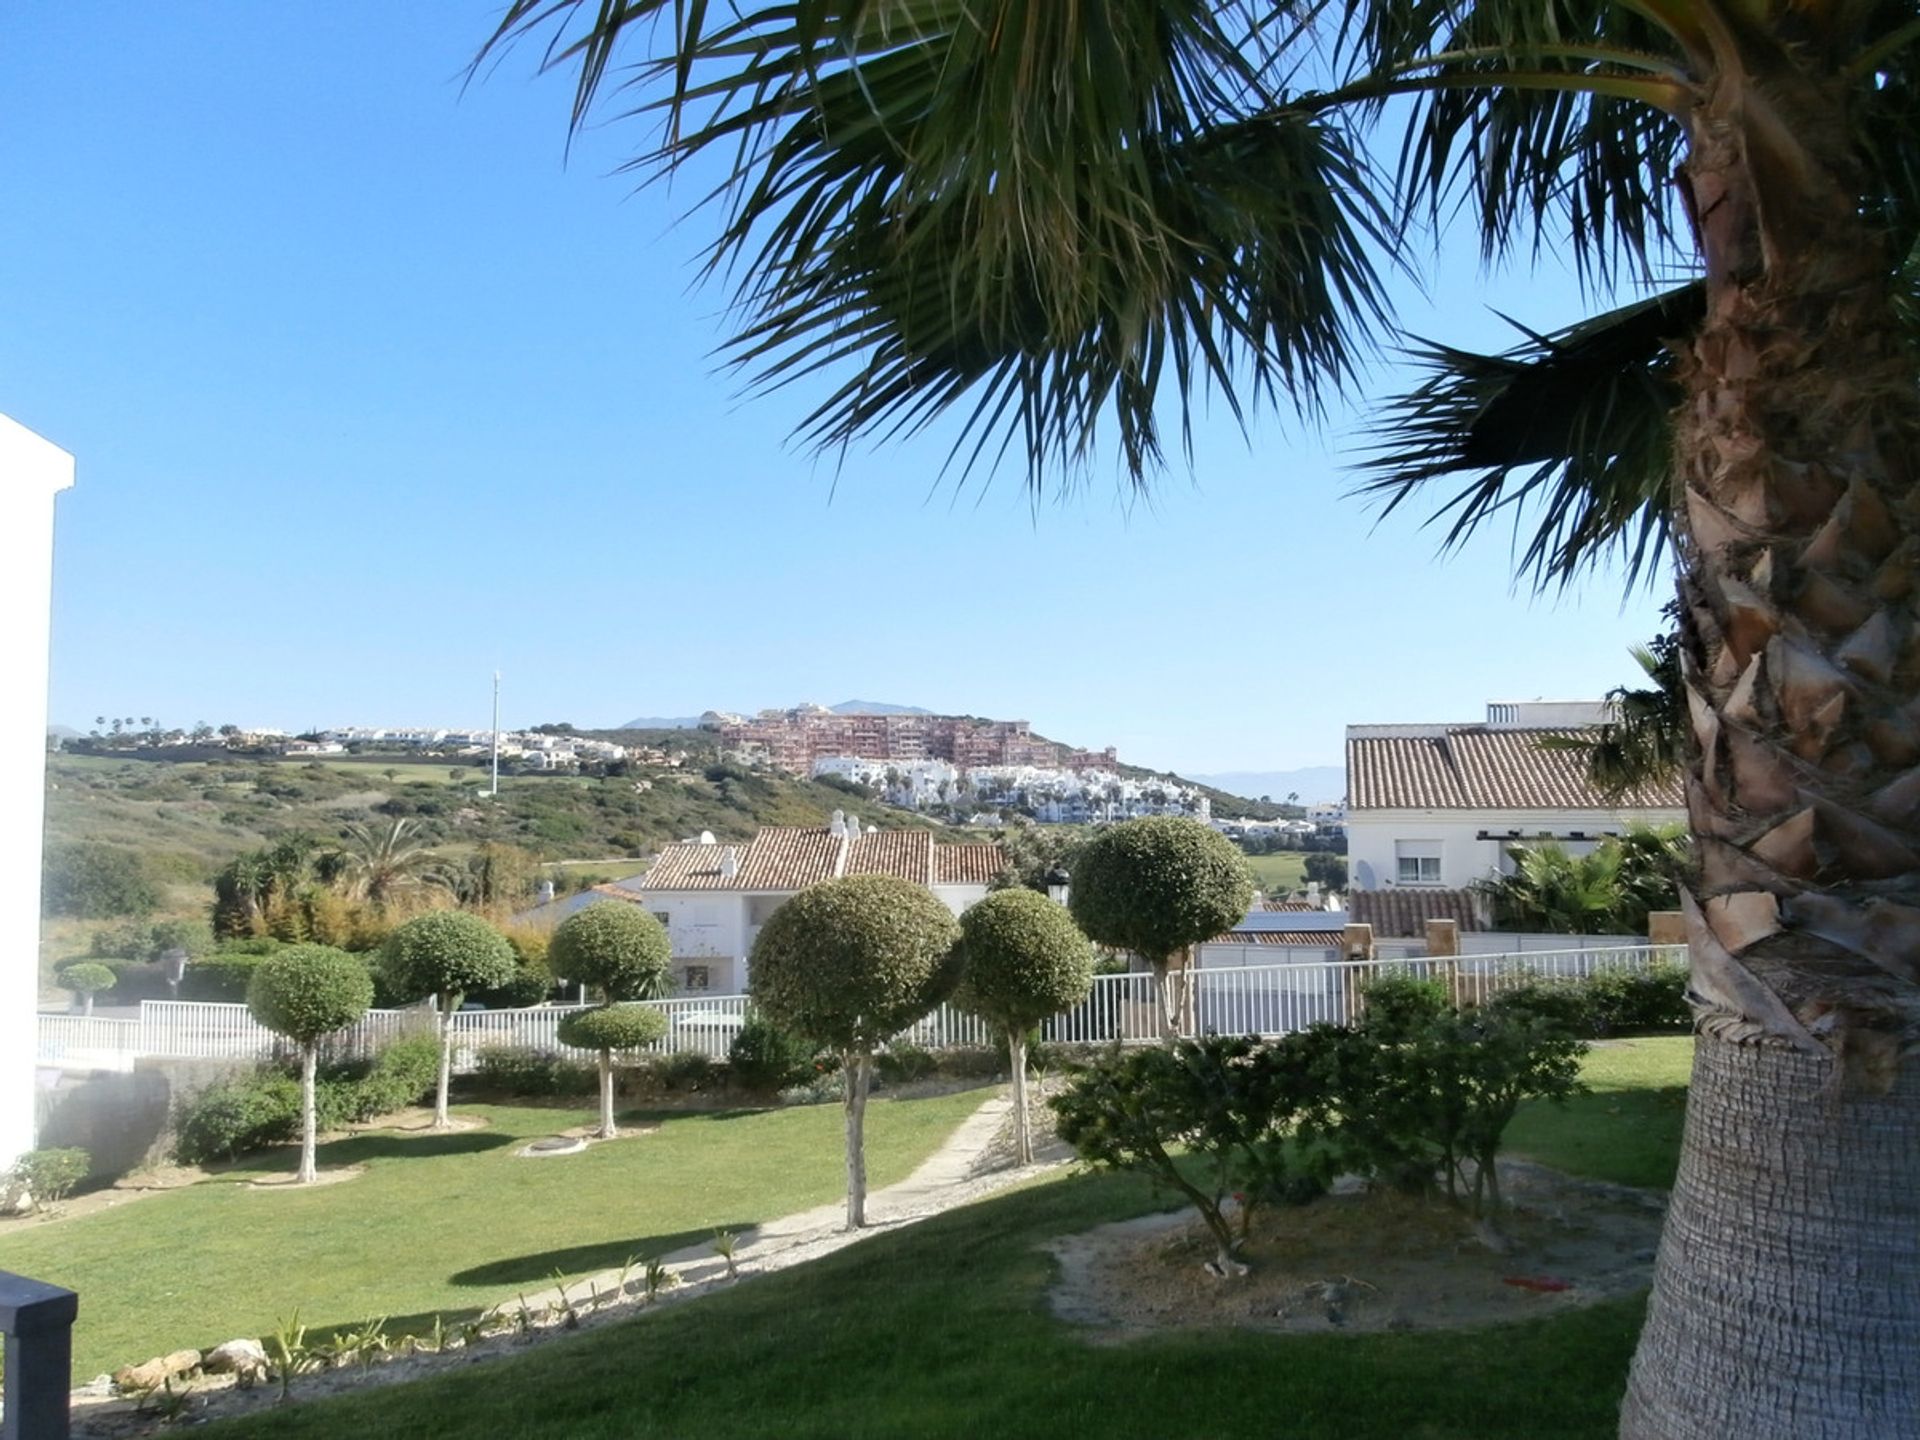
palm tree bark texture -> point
(1791, 1254)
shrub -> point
(445, 954)
(1230, 1102)
(91, 880)
(1628, 1001)
(46, 1177)
(608, 1028)
(224, 975)
(305, 992)
(399, 1076)
(904, 1062)
(86, 978)
(1396, 1006)
(237, 1116)
(850, 963)
(688, 1070)
(1022, 959)
(617, 948)
(511, 1071)
(1156, 886)
(766, 1059)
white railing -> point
(92, 1041)
(1224, 1000)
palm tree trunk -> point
(1787, 1297)
(309, 1063)
(441, 1119)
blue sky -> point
(373, 389)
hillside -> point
(191, 817)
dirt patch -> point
(336, 1176)
(635, 1130)
(418, 1121)
(1358, 1262)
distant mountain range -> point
(1315, 784)
(845, 707)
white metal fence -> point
(1225, 1000)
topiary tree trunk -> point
(608, 1129)
(1022, 1119)
(309, 1119)
(857, 1067)
(442, 1120)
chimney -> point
(729, 863)
(546, 892)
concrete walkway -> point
(953, 1175)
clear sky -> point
(373, 389)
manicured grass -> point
(942, 1330)
(1628, 1128)
(1280, 873)
(448, 1223)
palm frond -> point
(1565, 433)
(1053, 220)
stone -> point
(245, 1359)
(157, 1371)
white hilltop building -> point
(1052, 796)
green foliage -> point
(1021, 959)
(903, 1062)
(687, 1069)
(1229, 1103)
(91, 880)
(253, 1111)
(1327, 871)
(1155, 886)
(47, 1176)
(224, 975)
(307, 991)
(1609, 891)
(1608, 1002)
(613, 1027)
(850, 963)
(1397, 1006)
(508, 1070)
(766, 1059)
(448, 953)
(617, 948)
(86, 977)
(1032, 852)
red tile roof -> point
(1480, 768)
(1406, 911)
(781, 858)
(973, 864)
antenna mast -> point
(496, 734)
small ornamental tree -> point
(446, 954)
(1156, 887)
(305, 992)
(607, 1028)
(618, 949)
(86, 979)
(850, 964)
(1021, 959)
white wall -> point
(1373, 835)
(32, 472)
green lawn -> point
(1279, 873)
(447, 1224)
(1628, 1128)
(942, 1330)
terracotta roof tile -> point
(1477, 767)
(972, 864)
(782, 858)
(1406, 911)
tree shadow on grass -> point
(381, 1145)
(584, 1259)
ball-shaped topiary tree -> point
(849, 964)
(608, 1028)
(1021, 959)
(86, 979)
(616, 948)
(306, 992)
(446, 954)
(1156, 887)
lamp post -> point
(1059, 885)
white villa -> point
(1433, 808)
(714, 896)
